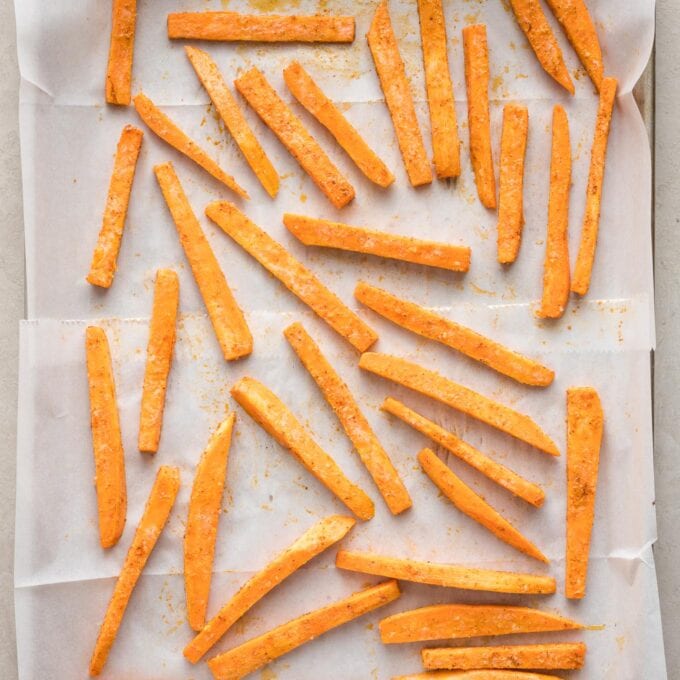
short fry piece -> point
(293, 274)
(105, 254)
(119, 68)
(107, 445)
(279, 118)
(476, 675)
(392, 74)
(242, 660)
(312, 543)
(156, 513)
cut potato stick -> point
(227, 318)
(328, 234)
(164, 128)
(293, 274)
(440, 329)
(121, 50)
(591, 220)
(279, 118)
(105, 256)
(235, 122)
(310, 95)
(313, 542)
(156, 513)
(461, 398)
(476, 675)
(205, 508)
(585, 423)
(244, 659)
(395, 86)
(274, 417)
(107, 445)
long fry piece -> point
(395, 86)
(156, 513)
(476, 675)
(293, 274)
(313, 542)
(121, 50)
(242, 660)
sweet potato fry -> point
(107, 445)
(274, 417)
(457, 396)
(164, 128)
(235, 122)
(292, 273)
(119, 68)
(591, 219)
(156, 513)
(105, 254)
(476, 675)
(328, 234)
(242, 660)
(279, 118)
(392, 74)
(310, 95)
(313, 542)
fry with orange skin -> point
(103, 266)
(310, 95)
(121, 50)
(313, 542)
(244, 659)
(395, 86)
(476, 675)
(156, 513)
(107, 445)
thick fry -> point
(107, 445)
(242, 660)
(119, 68)
(162, 126)
(457, 396)
(310, 95)
(476, 675)
(103, 266)
(270, 413)
(312, 543)
(235, 122)
(328, 234)
(281, 120)
(395, 86)
(293, 274)
(203, 517)
(591, 219)
(440, 329)
(226, 316)
(156, 513)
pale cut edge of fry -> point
(477, 675)
(121, 51)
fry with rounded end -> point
(121, 50)
(476, 675)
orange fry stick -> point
(476, 675)
(310, 95)
(279, 118)
(107, 445)
(105, 254)
(312, 543)
(156, 513)
(119, 68)
(244, 659)
(274, 417)
(395, 86)
(235, 122)
(328, 234)
(292, 273)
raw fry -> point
(476, 675)
(235, 122)
(328, 234)
(162, 126)
(274, 417)
(244, 659)
(156, 513)
(312, 543)
(119, 68)
(103, 266)
(293, 274)
(392, 74)
(226, 316)
(107, 445)
(585, 423)
(310, 95)
(281, 120)
(436, 386)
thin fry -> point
(476, 675)
(119, 68)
